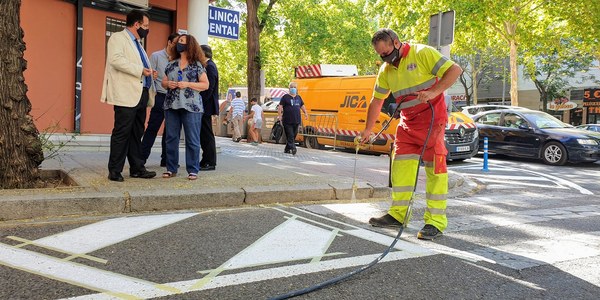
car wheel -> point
(554, 154)
(311, 142)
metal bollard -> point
(485, 155)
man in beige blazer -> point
(128, 87)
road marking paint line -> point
(510, 177)
(556, 180)
(288, 271)
(279, 272)
(306, 174)
(485, 180)
(326, 246)
(386, 240)
(102, 234)
(559, 181)
(71, 256)
(208, 278)
(520, 281)
(521, 217)
(368, 235)
(275, 262)
(282, 244)
(534, 253)
(315, 163)
(80, 275)
(93, 297)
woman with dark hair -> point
(185, 77)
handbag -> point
(276, 131)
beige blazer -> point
(123, 80)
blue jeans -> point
(191, 122)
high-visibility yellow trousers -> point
(405, 163)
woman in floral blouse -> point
(185, 77)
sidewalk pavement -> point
(244, 176)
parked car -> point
(590, 127)
(271, 104)
(536, 134)
(475, 109)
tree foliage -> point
(297, 32)
(523, 30)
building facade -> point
(66, 54)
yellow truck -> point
(337, 109)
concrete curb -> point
(188, 199)
(85, 201)
(38, 206)
(284, 194)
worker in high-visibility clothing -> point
(416, 74)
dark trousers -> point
(207, 142)
(126, 137)
(291, 130)
(157, 115)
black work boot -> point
(429, 232)
(385, 221)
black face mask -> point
(181, 47)
(393, 57)
(142, 32)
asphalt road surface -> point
(527, 231)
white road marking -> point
(317, 238)
(98, 235)
(544, 251)
(315, 163)
(521, 183)
(556, 182)
(274, 273)
(475, 222)
(80, 275)
(290, 241)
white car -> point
(271, 104)
(475, 109)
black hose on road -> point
(391, 246)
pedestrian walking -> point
(255, 121)
(158, 61)
(185, 77)
(289, 113)
(128, 87)
(236, 115)
(210, 102)
(423, 71)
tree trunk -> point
(20, 147)
(543, 94)
(463, 81)
(475, 87)
(514, 74)
(254, 63)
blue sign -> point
(223, 23)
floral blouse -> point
(188, 99)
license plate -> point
(463, 148)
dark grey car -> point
(536, 134)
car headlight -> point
(587, 142)
(476, 133)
